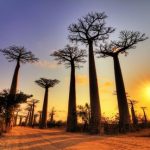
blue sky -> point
(41, 26)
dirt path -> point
(35, 139)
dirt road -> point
(22, 138)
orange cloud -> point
(82, 79)
(108, 84)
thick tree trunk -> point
(44, 110)
(124, 118)
(94, 94)
(72, 115)
(134, 118)
(13, 87)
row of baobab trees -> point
(90, 30)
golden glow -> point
(147, 91)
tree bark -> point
(124, 118)
(94, 94)
(44, 111)
(72, 115)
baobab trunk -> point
(124, 118)
(72, 116)
(134, 118)
(13, 89)
(94, 94)
(44, 111)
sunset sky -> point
(42, 27)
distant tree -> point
(84, 112)
(144, 113)
(16, 116)
(46, 84)
(89, 30)
(71, 57)
(52, 114)
(20, 120)
(28, 115)
(134, 117)
(34, 119)
(128, 40)
(33, 102)
(40, 117)
(6, 104)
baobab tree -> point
(46, 84)
(144, 113)
(32, 102)
(19, 55)
(16, 116)
(52, 114)
(71, 57)
(127, 40)
(134, 117)
(89, 30)
(40, 117)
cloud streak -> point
(46, 64)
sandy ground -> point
(22, 138)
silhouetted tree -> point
(134, 117)
(33, 102)
(128, 40)
(71, 57)
(34, 119)
(84, 112)
(52, 114)
(16, 116)
(20, 120)
(40, 117)
(89, 30)
(144, 113)
(46, 84)
(20, 55)
(6, 104)
(28, 116)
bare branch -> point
(91, 27)
(16, 53)
(70, 55)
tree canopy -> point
(18, 53)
